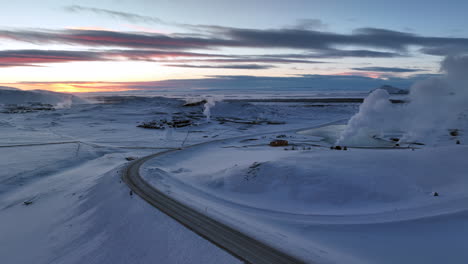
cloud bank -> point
(220, 47)
(224, 37)
(225, 66)
(387, 69)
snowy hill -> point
(10, 95)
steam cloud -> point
(210, 102)
(435, 105)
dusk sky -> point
(115, 45)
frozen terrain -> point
(61, 198)
(393, 196)
(318, 202)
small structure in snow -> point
(454, 132)
(162, 124)
(197, 103)
(279, 143)
(150, 125)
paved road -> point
(236, 243)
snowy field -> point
(61, 196)
(357, 183)
(329, 205)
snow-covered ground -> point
(61, 199)
(354, 206)
(362, 205)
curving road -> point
(238, 244)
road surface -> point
(236, 243)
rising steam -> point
(210, 103)
(435, 105)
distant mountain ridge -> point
(10, 95)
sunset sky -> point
(117, 45)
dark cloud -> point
(153, 55)
(310, 39)
(284, 38)
(311, 45)
(307, 40)
(225, 66)
(251, 59)
(445, 50)
(115, 14)
(335, 54)
(16, 58)
(102, 38)
(387, 69)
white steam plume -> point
(210, 103)
(376, 115)
(435, 105)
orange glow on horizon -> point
(130, 85)
(85, 87)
